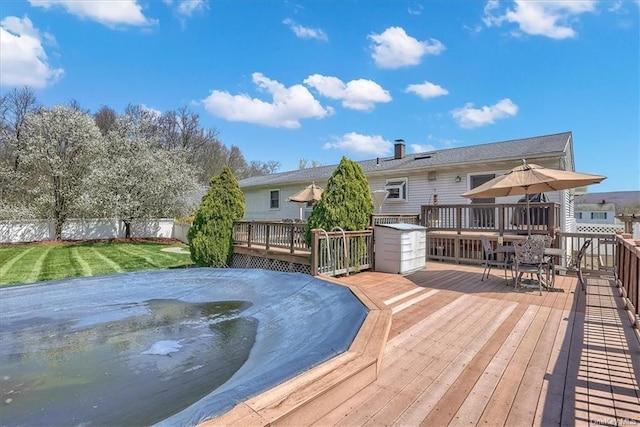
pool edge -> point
(312, 394)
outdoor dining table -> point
(509, 251)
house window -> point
(274, 199)
(482, 217)
(396, 190)
(598, 215)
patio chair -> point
(491, 259)
(546, 240)
(529, 259)
(574, 263)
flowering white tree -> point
(59, 144)
(135, 178)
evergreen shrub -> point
(211, 235)
(345, 203)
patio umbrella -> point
(311, 193)
(529, 178)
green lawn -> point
(37, 262)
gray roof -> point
(619, 198)
(526, 148)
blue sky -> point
(286, 80)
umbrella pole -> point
(526, 197)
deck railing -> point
(377, 219)
(492, 217)
(467, 248)
(269, 234)
(332, 253)
(628, 274)
(336, 252)
(341, 252)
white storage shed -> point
(400, 248)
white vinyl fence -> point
(17, 231)
(180, 231)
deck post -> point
(249, 230)
(315, 244)
(291, 231)
(347, 243)
(266, 236)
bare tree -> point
(305, 163)
(14, 108)
(75, 104)
(105, 119)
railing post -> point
(459, 219)
(291, 231)
(315, 244)
(266, 236)
(501, 217)
(249, 230)
(347, 244)
(551, 220)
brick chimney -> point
(399, 149)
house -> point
(608, 212)
(600, 208)
(413, 180)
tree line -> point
(63, 162)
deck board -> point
(462, 351)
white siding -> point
(257, 203)
(420, 191)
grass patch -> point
(37, 262)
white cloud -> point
(22, 55)
(421, 148)
(546, 18)
(111, 13)
(288, 106)
(469, 117)
(615, 6)
(415, 10)
(427, 90)
(357, 144)
(358, 94)
(188, 7)
(306, 32)
(395, 49)
(151, 110)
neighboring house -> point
(413, 180)
(596, 212)
(601, 207)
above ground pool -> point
(172, 347)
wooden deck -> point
(465, 352)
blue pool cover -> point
(285, 323)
